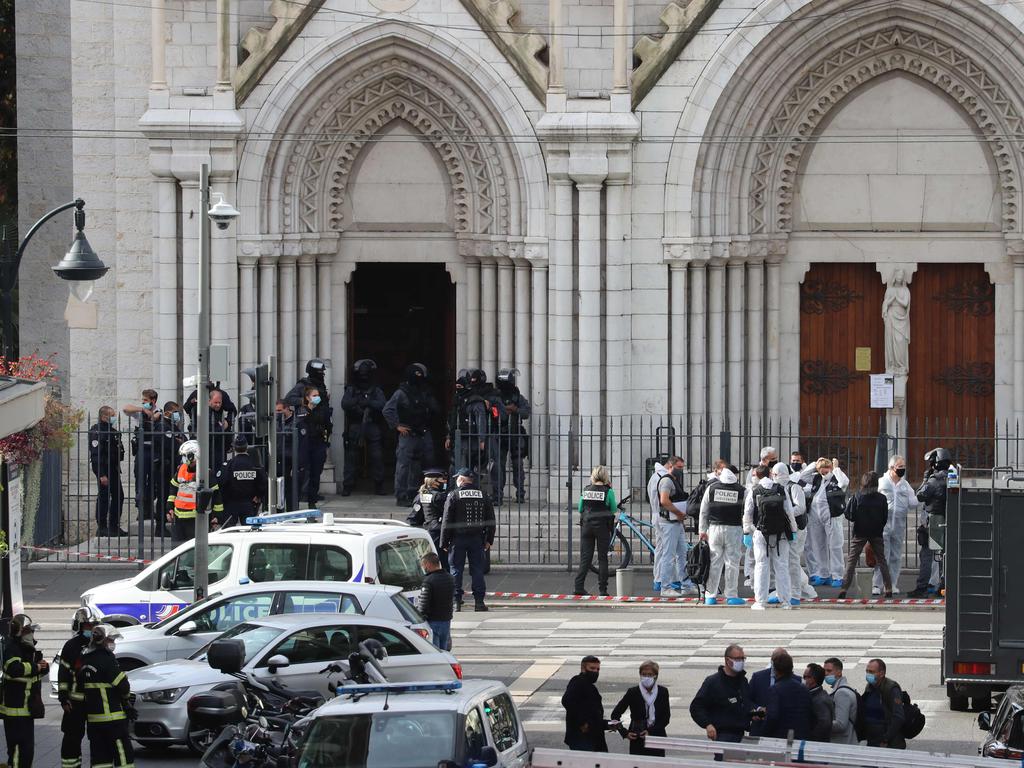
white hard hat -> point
(190, 448)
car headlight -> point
(166, 696)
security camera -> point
(222, 213)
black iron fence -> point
(535, 473)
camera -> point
(223, 213)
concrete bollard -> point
(624, 582)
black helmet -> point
(316, 368)
(507, 378)
(239, 444)
(21, 624)
(363, 369)
(939, 458)
(416, 373)
(477, 377)
(82, 616)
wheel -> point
(198, 741)
(982, 702)
(620, 554)
(958, 702)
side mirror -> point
(167, 581)
(187, 628)
(228, 656)
(488, 757)
(277, 661)
(985, 721)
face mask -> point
(591, 677)
(87, 633)
(737, 666)
(795, 466)
(830, 679)
(870, 678)
(648, 682)
(175, 417)
(901, 472)
(148, 406)
(315, 400)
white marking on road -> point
(533, 678)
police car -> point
(291, 546)
(449, 724)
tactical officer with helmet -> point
(24, 668)
(932, 495)
(481, 419)
(71, 698)
(107, 707)
(428, 508)
(467, 532)
(316, 370)
(411, 411)
(363, 403)
(513, 442)
(241, 483)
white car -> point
(360, 551)
(395, 726)
(291, 650)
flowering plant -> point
(56, 430)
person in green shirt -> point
(596, 508)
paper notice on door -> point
(882, 386)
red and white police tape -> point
(693, 600)
(72, 553)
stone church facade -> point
(693, 210)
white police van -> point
(450, 724)
(291, 546)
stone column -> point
(157, 45)
(223, 46)
(539, 334)
(190, 213)
(472, 316)
(773, 298)
(678, 307)
(734, 346)
(340, 274)
(620, 52)
(488, 315)
(522, 320)
(556, 48)
(288, 340)
(324, 284)
(168, 373)
(696, 368)
(1018, 338)
(224, 284)
(756, 345)
(617, 281)
(560, 353)
(248, 300)
(307, 309)
(506, 315)
(716, 342)
(268, 307)
(589, 277)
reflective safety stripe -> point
(121, 753)
(108, 718)
(71, 762)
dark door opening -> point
(400, 314)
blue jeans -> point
(442, 634)
(471, 546)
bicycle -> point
(620, 551)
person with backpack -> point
(768, 525)
(798, 581)
(721, 525)
(869, 513)
(664, 491)
(882, 713)
(597, 508)
(846, 703)
(767, 457)
(826, 501)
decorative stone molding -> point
(265, 46)
(802, 110)
(656, 54)
(521, 48)
(687, 251)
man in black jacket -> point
(467, 532)
(789, 703)
(881, 714)
(584, 711)
(823, 707)
(435, 600)
(722, 706)
(105, 454)
(242, 485)
(932, 494)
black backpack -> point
(913, 718)
(770, 506)
(696, 496)
(698, 563)
(834, 495)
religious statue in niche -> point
(896, 315)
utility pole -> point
(202, 561)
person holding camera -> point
(649, 712)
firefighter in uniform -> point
(241, 484)
(72, 700)
(23, 668)
(428, 509)
(181, 503)
(467, 532)
(107, 707)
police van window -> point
(501, 717)
(475, 738)
(395, 644)
(228, 613)
(277, 562)
(180, 573)
(329, 564)
(319, 602)
(398, 562)
(319, 644)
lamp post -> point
(222, 214)
(80, 266)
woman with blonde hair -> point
(649, 712)
(596, 508)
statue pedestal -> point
(896, 418)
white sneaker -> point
(876, 591)
(689, 591)
(757, 607)
(670, 593)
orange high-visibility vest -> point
(185, 495)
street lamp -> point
(80, 266)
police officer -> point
(313, 421)
(23, 669)
(107, 709)
(931, 494)
(147, 487)
(241, 484)
(428, 508)
(480, 442)
(411, 410)
(513, 441)
(363, 402)
(467, 531)
(72, 700)
(597, 507)
(287, 447)
(457, 426)
(106, 451)
(720, 523)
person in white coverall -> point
(902, 499)
(824, 532)
(767, 457)
(797, 576)
(721, 525)
(670, 543)
(770, 549)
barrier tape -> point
(70, 553)
(748, 601)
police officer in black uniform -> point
(287, 445)
(428, 508)
(316, 371)
(467, 532)
(480, 440)
(24, 668)
(932, 494)
(513, 442)
(411, 411)
(147, 486)
(597, 507)
(242, 485)
(313, 422)
(363, 403)
(457, 426)
(107, 709)
(72, 700)
(106, 451)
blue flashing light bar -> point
(284, 517)
(446, 686)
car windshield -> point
(398, 562)
(255, 637)
(380, 740)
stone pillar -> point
(488, 315)
(224, 285)
(1018, 338)
(248, 300)
(589, 277)
(620, 52)
(268, 307)
(472, 316)
(506, 314)
(556, 48)
(288, 340)
(678, 307)
(696, 368)
(716, 342)
(736, 322)
(190, 213)
(617, 331)
(522, 321)
(324, 284)
(307, 309)
(223, 46)
(157, 45)
(756, 347)
(340, 274)
(168, 373)
(773, 298)
(560, 325)
(539, 334)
